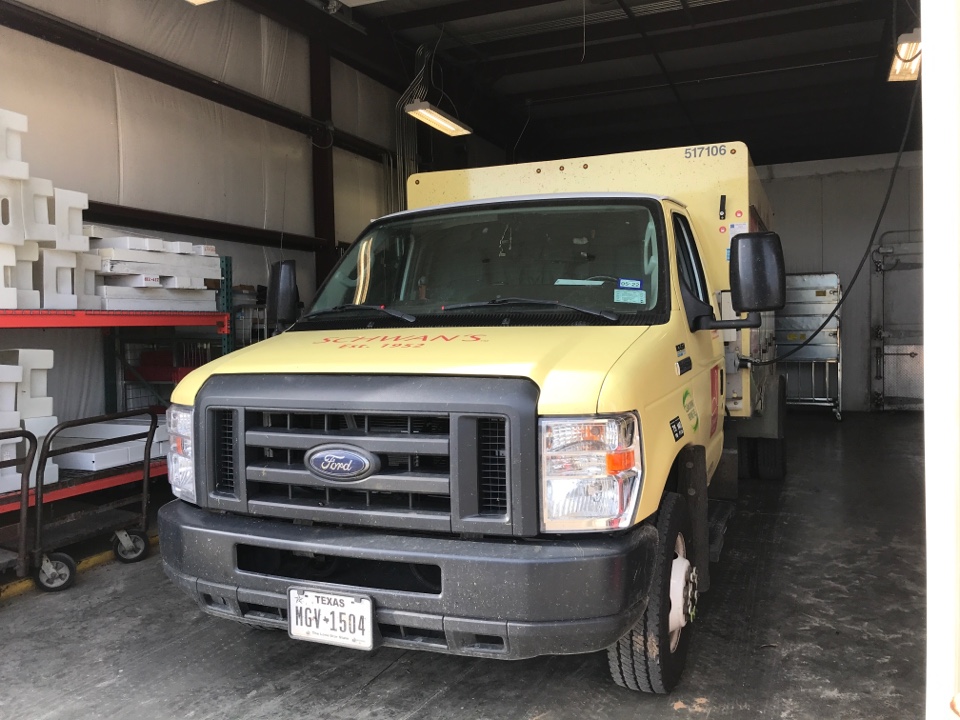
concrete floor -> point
(817, 611)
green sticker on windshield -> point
(637, 297)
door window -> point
(688, 260)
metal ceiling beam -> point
(374, 52)
(141, 219)
(736, 31)
(759, 104)
(717, 13)
(799, 63)
(463, 10)
(786, 138)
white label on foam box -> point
(130, 281)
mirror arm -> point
(752, 320)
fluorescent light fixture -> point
(437, 119)
(199, 2)
(906, 61)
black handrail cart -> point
(13, 538)
(69, 521)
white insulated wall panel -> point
(362, 106)
(223, 40)
(180, 154)
(75, 148)
(358, 193)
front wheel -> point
(652, 655)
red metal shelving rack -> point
(112, 318)
(25, 319)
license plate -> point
(331, 618)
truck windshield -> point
(583, 261)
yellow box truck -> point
(493, 431)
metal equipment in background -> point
(815, 372)
(896, 321)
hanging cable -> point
(517, 143)
(869, 248)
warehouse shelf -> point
(113, 318)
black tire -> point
(141, 547)
(65, 573)
(647, 658)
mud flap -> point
(692, 485)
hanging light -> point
(906, 60)
(436, 118)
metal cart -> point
(53, 525)
(815, 372)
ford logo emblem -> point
(341, 463)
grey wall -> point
(825, 212)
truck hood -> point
(568, 364)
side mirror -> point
(757, 277)
(283, 298)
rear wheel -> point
(57, 571)
(651, 657)
(136, 550)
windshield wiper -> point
(350, 308)
(605, 314)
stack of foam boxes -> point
(45, 258)
(42, 245)
(24, 403)
(144, 273)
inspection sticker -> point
(628, 283)
(677, 427)
(637, 297)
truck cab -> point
(491, 433)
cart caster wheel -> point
(57, 572)
(836, 414)
(140, 546)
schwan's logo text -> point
(341, 462)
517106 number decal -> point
(704, 151)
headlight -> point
(591, 471)
(180, 470)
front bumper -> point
(499, 598)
